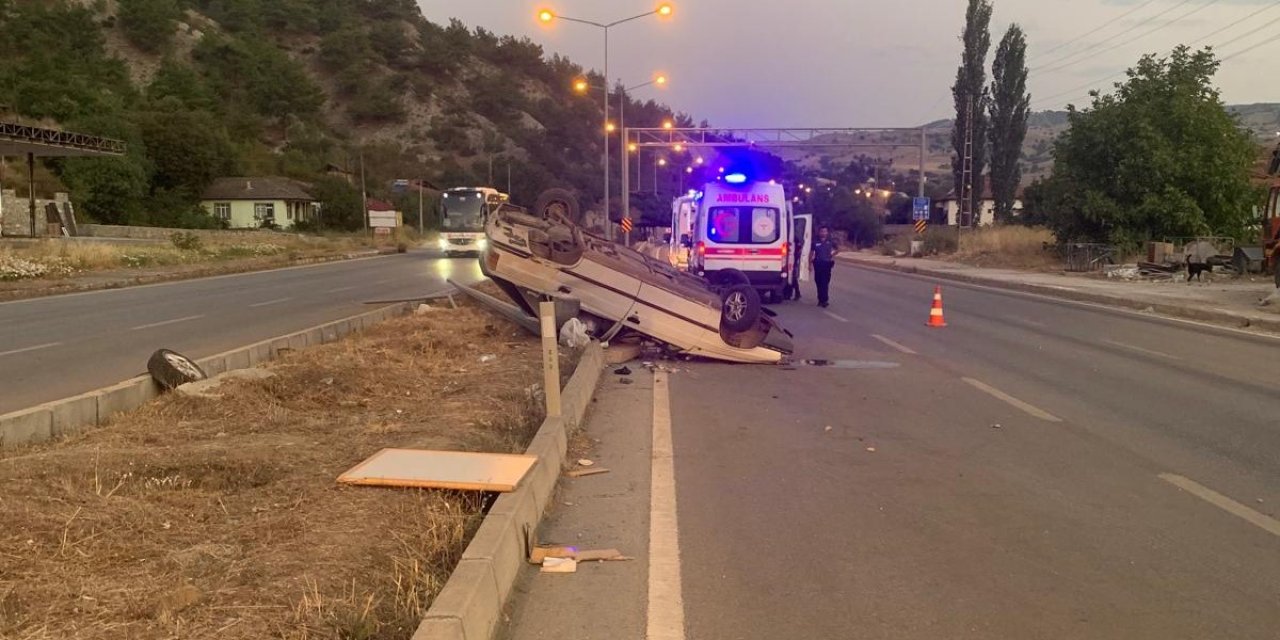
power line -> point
(1248, 49)
(1244, 19)
(1121, 44)
(1201, 39)
(1112, 38)
(1095, 30)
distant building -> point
(245, 203)
(986, 213)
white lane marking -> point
(340, 289)
(382, 281)
(269, 302)
(1265, 522)
(1033, 323)
(26, 349)
(666, 600)
(895, 345)
(1141, 350)
(1000, 395)
(165, 322)
(836, 317)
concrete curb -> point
(196, 274)
(471, 603)
(1212, 316)
(72, 415)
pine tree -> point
(1010, 107)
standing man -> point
(825, 250)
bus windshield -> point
(463, 211)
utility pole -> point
(490, 183)
(364, 194)
(923, 135)
(965, 189)
(421, 229)
(508, 175)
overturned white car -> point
(619, 290)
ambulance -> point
(683, 210)
(745, 232)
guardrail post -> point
(550, 358)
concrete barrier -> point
(72, 415)
(471, 603)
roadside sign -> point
(626, 225)
(383, 219)
(921, 225)
(920, 209)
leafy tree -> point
(187, 149)
(177, 81)
(1160, 157)
(149, 24)
(340, 204)
(1010, 106)
(971, 98)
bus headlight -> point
(482, 243)
(444, 244)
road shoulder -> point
(601, 600)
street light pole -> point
(546, 15)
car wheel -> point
(558, 202)
(730, 277)
(740, 308)
(171, 369)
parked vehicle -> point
(620, 290)
(463, 213)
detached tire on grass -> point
(740, 307)
(172, 369)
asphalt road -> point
(60, 346)
(1036, 469)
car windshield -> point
(743, 225)
(463, 211)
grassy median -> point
(200, 518)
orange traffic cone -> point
(935, 314)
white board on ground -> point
(441, 470)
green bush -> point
(186, 241)
(939, 241)
(149, 24)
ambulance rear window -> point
(743, 225)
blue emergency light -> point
(735, 178)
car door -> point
(804, 245)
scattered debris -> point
(583, 462)
(441, 470)
(574, 334)
(871, 449)
(555, 554)
(622, 372)
(828, 428)
(171, 369)
(601, 555)
(559, 565)
(996, 426)
(580, 473)
(541, 552)
(487, 358)
(626, 381)
(620, 352)
(424, 309)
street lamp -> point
(667, 124)
(547, 16)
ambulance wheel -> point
(740, 308)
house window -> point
(264, 210)
(222, 210)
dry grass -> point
(60, 258)
(1010, 246)
(194, 518)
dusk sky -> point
(832, 63)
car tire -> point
(731, 277)
(171, 369)
(558, 202)
(740, 308)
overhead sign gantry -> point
(32, 142)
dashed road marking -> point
(269, 302)
(1000, 395)
(836, 317)
(666, 599)
(340, 289)
(895, 345)
(33, 348)
(1141, 350)
(1262, 521)
(165, 322)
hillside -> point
(205, 88)
(1262, 120)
